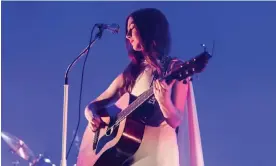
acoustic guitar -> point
(113, 143)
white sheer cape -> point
(189, 139)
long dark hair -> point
(153, 28)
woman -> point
(148, 43)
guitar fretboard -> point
(135, 104)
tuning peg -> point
(204, 46)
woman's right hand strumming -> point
(94, 120)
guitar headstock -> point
(189, 68)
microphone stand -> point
(65, 100)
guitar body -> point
(118, 146)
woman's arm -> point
(172, 98)
(107, 97)
(173, 107)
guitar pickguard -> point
(113, 111)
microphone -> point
(113, 28)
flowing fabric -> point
(189, 140)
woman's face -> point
(133, 35)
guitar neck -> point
(135, 104)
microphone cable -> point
(80, 96)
